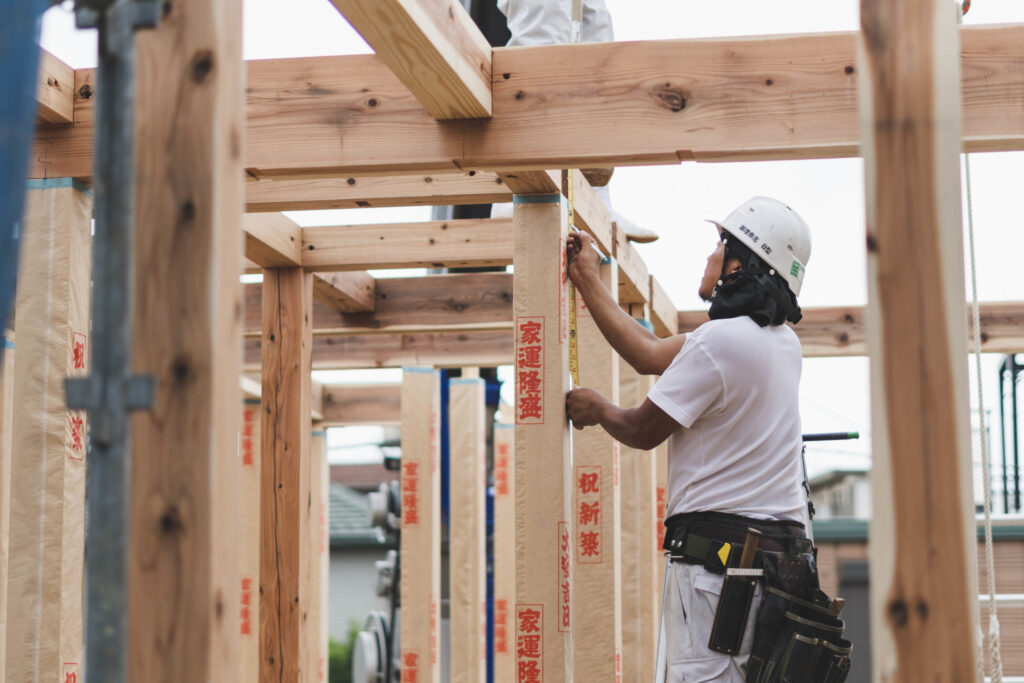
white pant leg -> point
(689, 614)
(549, 22)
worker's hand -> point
(583, 407)
(584, 263)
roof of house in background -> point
(350, 519)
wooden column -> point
(467, 532)
(660, 513)
(47, 475)
(284, 481)
(421, 525)
(638, 567)
(504, 551)
(183, 613)
(597, 602)
(923, 568)
(318, 556)
(249, 542)
(544, 557)
(6, 452)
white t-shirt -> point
(733, 388)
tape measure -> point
(574, 348)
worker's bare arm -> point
(643, 427)
(646, 353)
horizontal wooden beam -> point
(655, 102)
(432, 303)
(272, 240)
(433, 47)
(839, 331)
(350, 292)
(664, 316)
(364, 192)
(433, 244)
(355, 404)
(634, 280)
(55, 98)
(443, 349)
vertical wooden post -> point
(249, 542)
(597, 602)
(544, 558)
(504, 551)
(923, 566)
(183, 611)
(467, 533)
(421, 525)
(6, 451)
(660, 512)
(47, 477)
(284, 507)
(318, 607)
(638, 567)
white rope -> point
(995, 651)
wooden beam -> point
(433, 47)
(351, 292)
(6, 454)
(284, 482)
(532, 182)
(634, 282)
(420, 629)
(431, 244)
(544, 560)
(664, 316)
(597, 510)
(183, 565)
(504, 550)
(362, 192)
(590, 213)
(248, 478)
(655, 102)
(923, 518)
(315, 661)
(55, 86)
(47, 467)
(467, 533)
(460, 301)
(355, 404)
(272, 240)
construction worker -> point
(727, 401)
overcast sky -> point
(674, 200)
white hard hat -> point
(774, 232)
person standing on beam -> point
(727, 401)
(550, 22)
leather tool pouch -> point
(798, 641)
(731, 614)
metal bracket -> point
(85, 393)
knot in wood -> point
(457, 306)
(898, 612)
(85, 92)
(670, 98)
(170, 521)
(202, 65)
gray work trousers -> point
(549, 22)
(691, 597)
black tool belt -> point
(798, 635)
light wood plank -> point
(249, 539)
(433, 47)
(544, 557)
(272, 240)
(314, 666)
(532, 182)
(285, 554)
(590, 213)
(420, 543)
(190, 137)
(467, 535)
(504, 549)
(55, 85)
(355, 404)
(597, 512)
(431, 244)
(352, 292)
(362, 192)
(346, 116)
(460, 301)
(46, 479)
(6, 453)
(634, 283)
(922, 545)
(664, 315)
